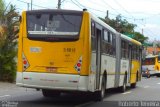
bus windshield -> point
(55, 26)
(149, 61)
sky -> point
(144, 13)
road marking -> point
(127, 92)
(85, 104)
(158, 83)
(146, 86)
(5, 96)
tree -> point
(139, 37)
(124, 27)
(8, 43)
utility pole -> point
(142, 31)
(107, 16)
(155, 47)
(59, 4)
(31, 4)
(28, 6)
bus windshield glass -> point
(54, 26)
(149, 61)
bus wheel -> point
(123, 88)
(148, 76)
(100, 94)
(50, 93)
(133, 85)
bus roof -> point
(102, 23)
(151, 56)
(114, 31)
(130, 39)
(54, 10)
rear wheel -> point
(133, 85)
(100, 94)
(50, 93)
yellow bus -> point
(152, 63)
(67, 50)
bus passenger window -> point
(92, 29)
(105, 36)
(109, 40)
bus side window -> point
(109, 39)
(122, 49)
(104, 42)
(114, 45)
(134, 52)
(92, 28)
(93, 39)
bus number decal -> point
(70, 50)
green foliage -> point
(2, 7)
(8, 43)
(139, 37)
(124, 27)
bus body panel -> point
(134, 71)
(20, 41)
(52, 57)
(53, 64)
(124, 70)
(106, 62)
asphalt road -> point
(146, 90)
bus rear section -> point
(152, 64)
(50, 52)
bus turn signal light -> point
(25, 62)
(79, 65)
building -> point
(152, 50)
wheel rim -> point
(103, 89)
(124, 87)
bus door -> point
(118, 60)
(130, 62)
(98, 54)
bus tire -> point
(148, 76)
(133, 85)
(123, 88)
(99, 95)
(50, 93)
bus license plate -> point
(51, 69)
